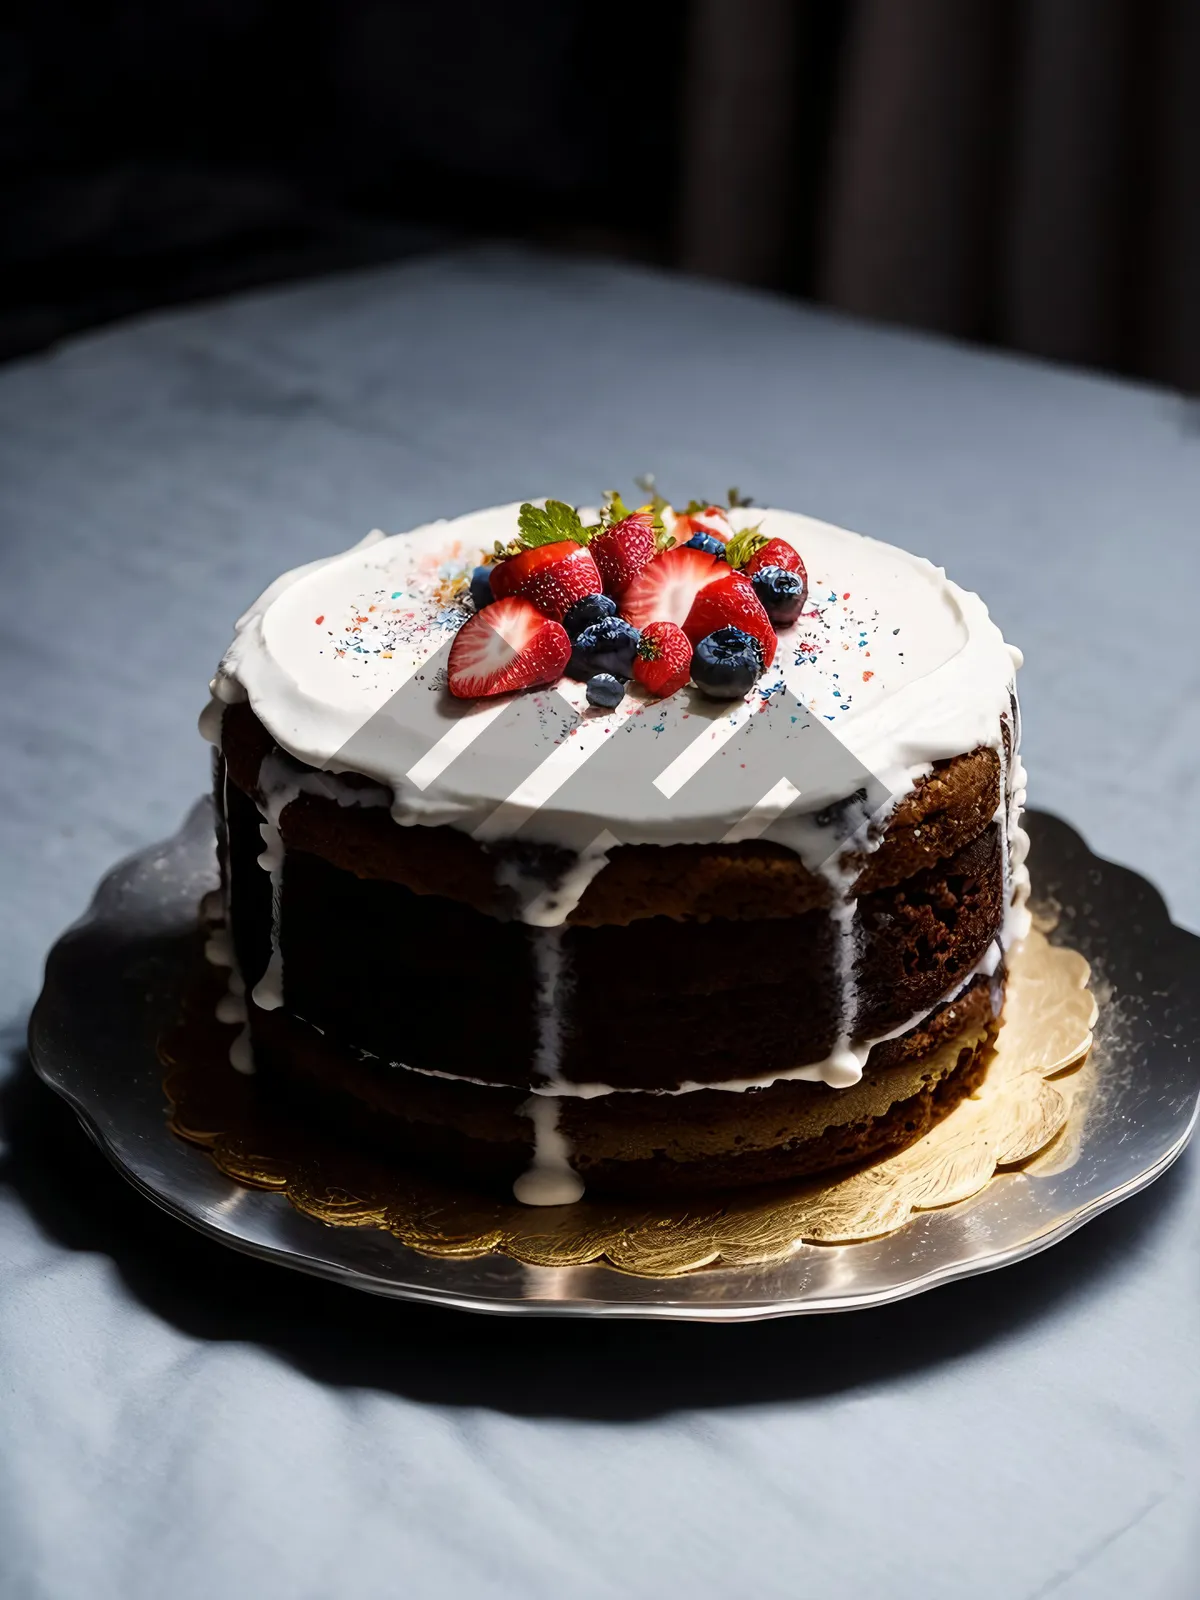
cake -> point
(635, 851)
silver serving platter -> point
(115, 977)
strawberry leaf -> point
(614, 510)
(743, 545)
(658, 502)
(557, 521)
(734, 499)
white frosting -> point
(902, 665)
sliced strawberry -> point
(620, 552)
(730, 602)
(775, 553)
(508, 645)
(665, 588)
(553, 576)
(664, 658)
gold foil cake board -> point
(1034, 1094)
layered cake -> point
(623, 849)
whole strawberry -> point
(775, 553)
(621, 550)
(552, 576)
(730, 602)
(751, 550)
(663, 662)
(548, 562)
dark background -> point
(1017, 172)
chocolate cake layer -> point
(944, 812)
(641, 1143)
(432, 982)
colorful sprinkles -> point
(392, 624)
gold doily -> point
(1023, 1110)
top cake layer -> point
(343, 662)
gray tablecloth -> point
(176, 1420)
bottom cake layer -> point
(640, 1143)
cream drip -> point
(279, 783)
(544, 903)
(1017, 917)
(553, 983)
(844, 1065)
(267, 993)
(223, 690)
(550, 1179)
(231, 1007)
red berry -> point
(553, 576)
(665, 588)
(508, 645)
(711, 520)
(775, 553)
(730, 602)
(664, 658)
(620, 552)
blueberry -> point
(605, 646)
(481, 587)
(709, 542)
(605, 690)
(782, 593)
(592, 608)
(726, 663)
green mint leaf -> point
(743, 545)
(737, 498)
